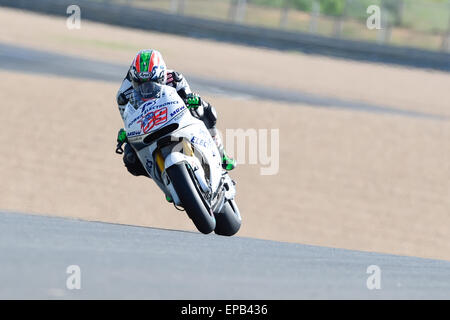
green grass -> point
(424, 22)
(430, 17)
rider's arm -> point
(179, 82)
(124, 94)
(199, 107)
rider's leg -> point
(228, 163)
(207, 113)
(132, 162)
(134, 165)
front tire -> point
(228, 220)
(190, 198)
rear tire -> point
(190, 198)
(228, 220)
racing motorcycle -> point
(179, 154)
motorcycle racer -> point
(149, 67)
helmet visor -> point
(149, 90)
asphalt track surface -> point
(22, 59)
(128, 262)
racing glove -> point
(193, 101)
(121, 139)
(122, 136)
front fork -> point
(186, 156)
(160, 162)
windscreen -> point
(144, 92)
(149, 90)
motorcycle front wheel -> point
(191, 199)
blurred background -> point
(363, 115)
(415, 23)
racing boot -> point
(228, 163)
(209, 117)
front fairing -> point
(153, 114)
(156, 114)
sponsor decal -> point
(145, 74)
(169, 103)
(149, 105)
(133, 133)
(128, 92)
(176, 111)
(153, 119)
(202, 142)
(134, 120)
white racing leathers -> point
(205, 112)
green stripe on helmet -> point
(145, 60)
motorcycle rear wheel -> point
(228, 220)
